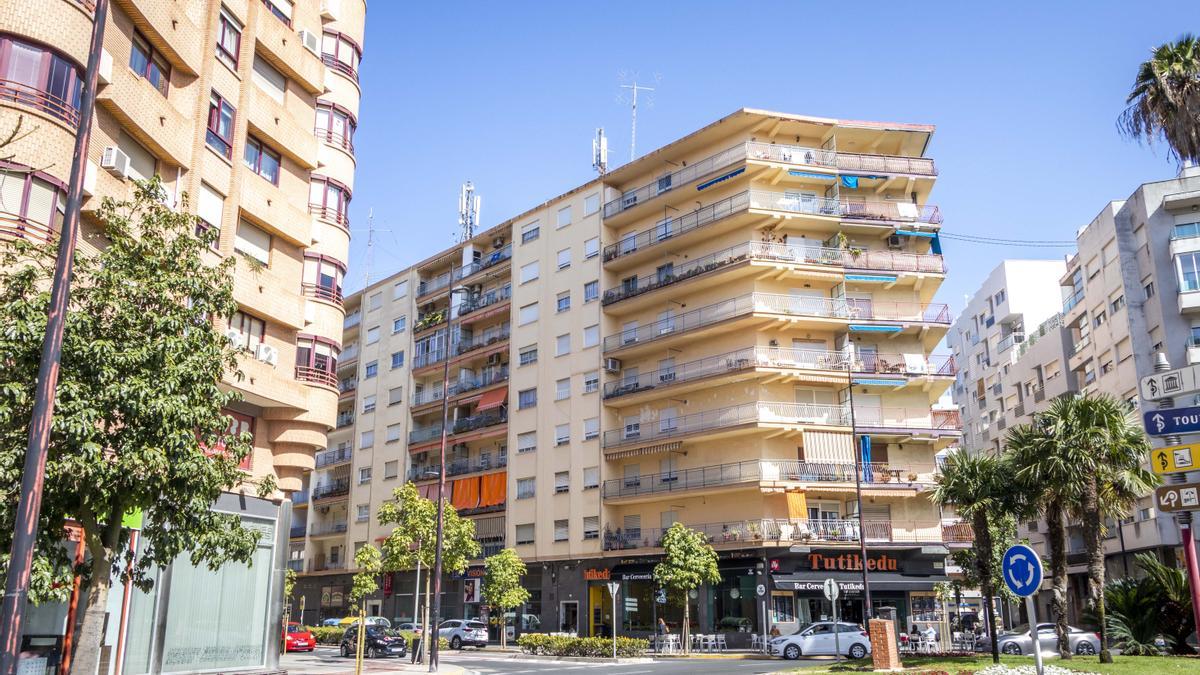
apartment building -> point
(246, 109)
(1014, 296)
(706, 335)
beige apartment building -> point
(706, 335)
(247, 108)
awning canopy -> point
(648, 450)
(493, 399)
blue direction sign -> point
(1172, 421)
(1022, 570)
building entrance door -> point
(600, 611)
(568, 616)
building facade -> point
(708, 335)
(246, 110)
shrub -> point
(411, 639)
(327, 635)
(594, 647)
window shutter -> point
(254, 242)
(141, 162)
(271, 81)
(41, 202)
(210, 205)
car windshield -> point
(293, 628)
(1019, 629)
(476, 625)
(380, 631)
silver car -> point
(464, 633)
(1017, 640)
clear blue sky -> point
(508, 94)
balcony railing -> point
(428, 358)
(427, 395)
(425, 434)
(338, 488)
(670, 181)
(489, 260)
(327, 566)
(1009, 342)
(332, 62)
(906, 418)
(890, 211)
(335, 139)
(873, 474)
(458, 468)
(435, 284)
(33, 97)
(824, 531)
(678, 225)
(297, 531)
(316, 376)
(482, 300)
(299, 497)
(333, 214)
(890, 261)
(482, 340)
(430, 319)
(747, 413)
(351, 321)
(344, 420)
(792, 305)
(1072, 300)
(295, 565)
(478, 421)
(322, 529)
(490, 376)
(335, 456)
(320, 292)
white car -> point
(818, 639)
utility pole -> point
(33, 476)
(859, 467)
(635, 88)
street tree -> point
(1164, 102)
(139, 426)
(688, 561)
(502, 589)
(369, 562)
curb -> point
(540, 658)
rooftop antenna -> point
(600, 152)
(468, 211)
(370, 246)
(634, 88)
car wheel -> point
(374, 653)
(791, 652)
(857, 651)
(1085, 648)
(456, 643)
(1011, 648)
(345, 651)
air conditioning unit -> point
(311, 42)
(105, 69)
(612, 365)
(894, 242)
(115, 161)
(267, 354)
(234, 336)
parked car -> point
(297, 638)
(371, 621)
(378, 642)
(331, 622)
(462, 633)
(408, 627)
(1018, 640)
(818, 638)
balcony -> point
(1072, 300)
(779, 304)
(322, 292)
(322, 565)
(485, 339)
(682, 177)
(426, 396)
(458, 468)
(352, 320)
(331, 490)
(1009, 342)
(347, 387)
(300, 498)
(907, 418)
(333, 457)
(490, 376)
(746, 414)
(1193, 350)
(429, 320)
(1039, 393)
(316, 376)
(296, 565)
(786, 532)
(435, 284)
(767, 252)
(482, 420)
(478, 302)
(297, 531)
(1019, 410)
(490, 260)
(428, 359)
(326, 529)
(345, 419)
(424, 434)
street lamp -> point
(441, 503)
(859, 467)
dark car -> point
(378, 642)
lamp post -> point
(859, 467)
(441, 503)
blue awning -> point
(719, 179)
(914, 233)
(810, 174)
(878, 382)
(860, 328)
(878, 278)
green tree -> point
(980, 489)
(1165, 99)
(1174, 601)
(1133, 624)
(138, 425)
(369, 562)
(502, 589)
(688, 561)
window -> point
(591, 336)
(591, 477)
(527, 355)
(529, 232)
(525, 533)
(529, 272)
(591, 428)
(369, 403)
(49, 82)
(221, 114)
(399, 324)
(525, 488)
(564, 216)
(329, 199)
(374, 302)
(253, 242)
(391, 469)
(562, 434)
(591, 204)
(372, 335)
(398, 359)
(591, 248)
(526, 442)
(341, 53)
(999, 297)
(528, 314)
(370, 370)
(363, 511)
(591, 527)
(562, 482)
(282, 9)
(1189, 271)
(261, 160)
(562, 389)
(250, 330)
(229, 39)
(591, 291)
(209, 207)
(1100, 317)
(564, 301)
(393, 433)
(564, 259)
(336, 126)
(562, 530)
(271, 81)
(400, 289)
(526, 398)
(366, 439)
(1148, 289)
(1117, 303)
(316, 359)
(591, 381)
(148, 64)
(562, 345)
(395, 395)
(323, 276)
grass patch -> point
(1124, 665)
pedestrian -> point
(662, 627)
(775, 631)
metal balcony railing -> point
(299, 497)
(296, 565)
(1072, 300)
(458, 467)
(890, 211)
(478, 302)
(1010, 341)
(38, 99)
(437, 283)
(335, 456)
(488, 260)
(747, 413)
(322, 292)
(826, 531)
(478, 421)
(845, 161)
(297, 531)
(337, 488)
(678, 225)
(486, 339)
(316, 376)
(322, 529)
(430, 319)
(906, 418)
(352, 320)
(426, 395)
(345, 420)
(490, 376)
(425, 434)
(670, 181)
(428, 358)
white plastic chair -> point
(720, 643)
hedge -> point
(332, 635)
(563, 645)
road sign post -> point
(1174, 459)
(613, 587)
(831, 594)
(1170, 383)
(1022, 571)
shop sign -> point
(387, 585)
(637, 576)
(850, 562)
(816, 586)
(592, 574)
(472, 573)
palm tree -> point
(1165, 99)
(1048, 474)
(977, 486)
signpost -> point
(1171, 383)
(1022, 571)
(832, 591)
(1172, 421)
(1178, 497)
(613, 588)
(1174, 459)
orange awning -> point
(466, 493)
(797, 504)
(493, 399)
(493, 488)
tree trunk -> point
(1056, 537)
(504, 629)
(1093, 541)
(427, 635)
(983, 567)
(687, 626)
(85, 659)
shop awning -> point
(493, 399)
(648, 450)
(813, 582)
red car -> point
(298, 639)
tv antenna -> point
(600, 152)
(468, 211)
(634, 88)
(370, 257)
